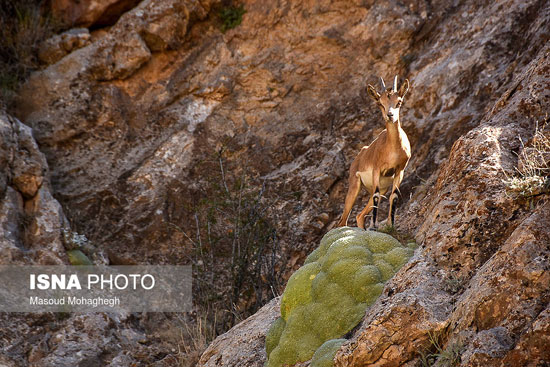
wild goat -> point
(380, 165)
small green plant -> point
(454, 284)
(80, 250)
(448, 357)
(231, 16)
(405, 238)
(533, 169)
(77, 257)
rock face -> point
(83, 103)
(132, 125)
(32, 225)
(31, 220)
(83, 340)
(479, 286)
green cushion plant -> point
(327, 297)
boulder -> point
(30, 218)
(87, 13)
(60, 45)
(244, 344)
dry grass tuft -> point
(24, 25)
(402, 237)
(533, 177)
(195, 338)
(439, 356)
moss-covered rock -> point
(328, 296)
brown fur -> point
(380, 165)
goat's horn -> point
(395, 84)
(383, 84)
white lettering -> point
(121, 281)
(108, 281)
(124, 278)
(55, 281)
(152, 281)
(92, 279)
(134, 278)
(74, 283)
(94, 302)
(46, 301)
(43, 281)
(58, 281)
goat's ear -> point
(404, 88)
(373, 93)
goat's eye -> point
(398, 104)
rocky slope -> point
(134, 121)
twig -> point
(184, 233)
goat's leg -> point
(394, 196)
(375, 197)
(353, 191)
(361, 216)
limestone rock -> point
(29, 166)
(81, 341)
(100, 13)
(532, 346)
(58, 46)
(162, 25)
(118, 58)
(244, 344)
(86, 13)
(30, 218)
(414, 297)
(11, 214)
(498, 259)
(505, 299)
(107, 113)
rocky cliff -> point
(148, 125)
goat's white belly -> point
(384, 182)
(366, 178)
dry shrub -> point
(236, 257)
(24, 25)
(533, 166)
(195, 337)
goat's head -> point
(390, 100)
